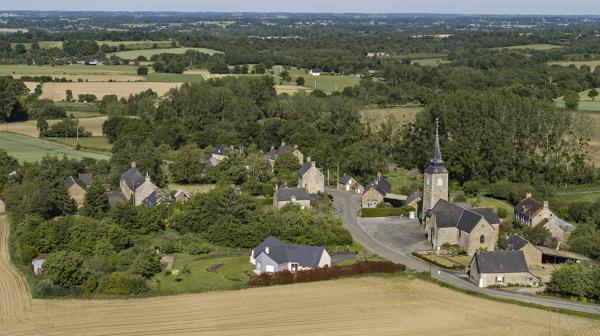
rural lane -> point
(347, 206)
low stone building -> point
(311, 178)
(275, 152)
(473, 229)
(134, 185)
(533, 256)
(500, 268)
(272, 255)
(76, 191)
(375, 192)
(130, 180)
(533, 213)
(182, 196)
(284, 196)
(348, 183)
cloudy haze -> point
(368, 6)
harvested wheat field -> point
(358, 306)
(96, 78)
(57, 91)
(29, 128)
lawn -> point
(28, 149)
(133, 54)
(232, 274)
(173, 78)
(42, 44)
(585, 102)
(95, 143)
(403, 178)
(540, 46)
(449, 262)
(483, 201)
(192, 188)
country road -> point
(348, 205)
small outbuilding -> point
(533, 256)
(76, 190)
(38, 264)
(348, 183)
(182, 196)
(501, 268)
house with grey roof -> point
(533, 213)
(85, 179)
(219, 154)
(376, 192)
(500, 268)
(311, 178)
(533, 256)
(283, 148)
(284, 196)
(134, 185)
(473, 229)
(349, 183)
(273, 255)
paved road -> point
(347, 206)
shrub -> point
(116, 283)
(325, 273)
(471, 188)
(196, 248)
(460, 197)
(502, 213)
(381, 212)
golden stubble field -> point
(57, 91)
(358, 306)
(29, 128)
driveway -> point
(400, 233)
(379, 239)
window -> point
(258, 266)
(499, 279)
(428, 180)
(481, 239)
(270, 268)
(440, 182)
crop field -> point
(29, 128)
(592, 64)
(94, 143)
(390, 305)
(62, 70)
(42, 44)
(56, 90)
(540, 46)
(28, 149)
(585, 102)
(133, 54)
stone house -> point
(415, 201)
(348, 183)
(181, 196)
(219, 154)
(500, 268)
(274, 153)
(76, 191)
(311, 178)
(533, 213)
(473, 229)
(134, 185)
(284, 196)
(272, 255)
(533, 256)
(375, 192)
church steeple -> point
(436, 164)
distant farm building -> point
(533, 213)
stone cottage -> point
(134, 185)
(533, 256)
(311, 178)
(533, 213)
(219, 154)
(375, 192)
(349, 183)
(275, 152)
(500, 268)
(284, 196)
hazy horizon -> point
(506, 7)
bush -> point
(381, 212)
(471, 188)
(142, 71)
(460, 197)
(325, 273)
(502, 213)
(116, 283)
(199, 248)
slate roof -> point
(274, 152)
(182, 192)
(70, 181)
(345, 179)
(304, 255)
(413, 197)
(133, 178)
(221, 149)
(501, 262)
(380, 184)
(306, 167)
(85, 179)
(436, 164)
(286, 194)
(514, 242)
(151, 200)
(561, 253)
(451, 215)
(490, 215)
(528, 207)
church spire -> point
(437, 152)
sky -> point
(553, 7)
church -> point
(446, 223)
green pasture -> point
(133, 54)
(28, 149)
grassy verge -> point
(445, 263)
(380, 212)
(427, 277)
(15, 257)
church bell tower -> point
(435, 186)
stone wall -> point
(435, 187)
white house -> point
(273, 255)
(315, 72)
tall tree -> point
(96, 203)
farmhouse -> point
(219, 154)
(500, 268)
(37, 263)
(348, 183)
(533, 213)
(274, 153)
(533, 256)
(284, 196)
(377, 54)
(76, 191)
(473, 229)
(134, 185)
(375, 192)
(311, 178)
(272, 256)
(315, 72)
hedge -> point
(325, 273)
(381, 212)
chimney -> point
(133, 164)
(272, 147)
(147, 177)
(295, 146)
(545, 204)
(282, 143)
(313, 163)
(267, 250)
(308, 159)
(378, 173)
(528, 195)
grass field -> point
(540, 46)
(144, 44)
(29, 128)
(56, 90)
(430, 61)
(95, 143)
(403, 114)
(231, 275)
(62, 70)
(28, 149)
(42, 44)
(483, 201)
(592, 64)
(585, 102)
(192, 188)
(133, 54)
(326, 83)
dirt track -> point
(365, 306)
